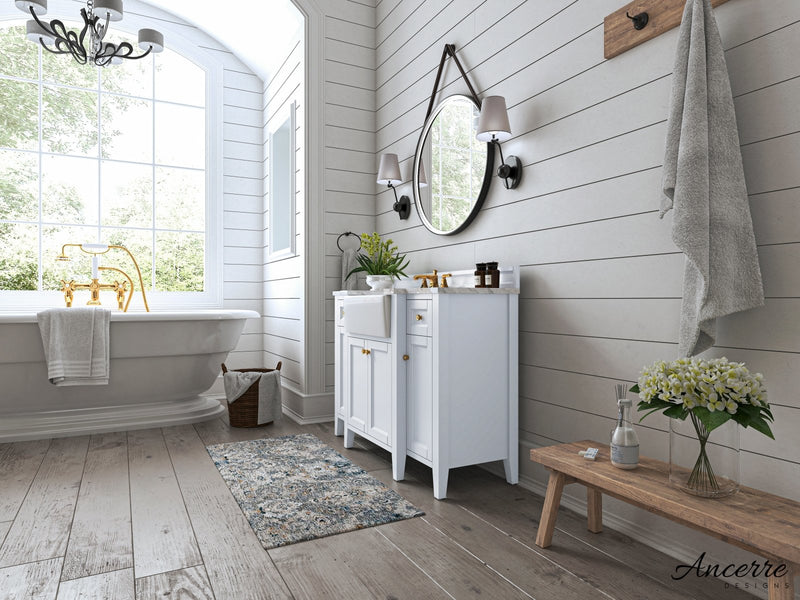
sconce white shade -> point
(150, 38)
(389, 170)
(39, 6)
(34, 33)
(493, 121)
(112, 8)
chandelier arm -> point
(46, 26)
(128, 54)
(88, 23)
(101, 31)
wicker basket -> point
(244, 412)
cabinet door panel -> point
(419, 395)
(357, 386)
(380, 423)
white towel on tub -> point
(76, 345)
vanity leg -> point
(338, 426)
(349, 437)
(398, 466)
(440, 482)
(511, 467)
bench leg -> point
(552, 499)
(594, 510)
(782, 588)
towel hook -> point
(341, 235)
(639, 21)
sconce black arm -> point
(402, 206)
(510, 171)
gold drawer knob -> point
(363, 351)
(366, 351)
(419, 317)
(405, 356)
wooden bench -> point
(762, 523)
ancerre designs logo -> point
(753, 570)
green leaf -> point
(711, 420)
(356, 270)
(635, 389)
(655, 403)
(676, 411)
(761, 426)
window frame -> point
(212, 295)
(286, 114)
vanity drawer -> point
(419, 317)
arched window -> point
(113, 155)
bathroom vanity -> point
(430, 373)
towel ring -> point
(341, 235)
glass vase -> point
(704, 463)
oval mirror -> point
(452, 169)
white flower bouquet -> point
(710, 392)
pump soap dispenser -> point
(624, 441)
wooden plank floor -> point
(145, 515)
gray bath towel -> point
(270, 407)
(349, 263)
(704, 183)
(76, 345)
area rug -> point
(295, 488)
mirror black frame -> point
(487, 175)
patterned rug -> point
(295, 488)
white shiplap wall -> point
(283, 323)
(601, 278)
(349, 142)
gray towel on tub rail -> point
(270, 407)
(704, 182)
(76, 345)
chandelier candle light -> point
(56, 38)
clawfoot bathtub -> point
(160, 364)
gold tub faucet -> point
(95, 287)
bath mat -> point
(295, 488)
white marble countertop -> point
(428, 290)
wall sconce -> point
(493, 127)
(389, 175)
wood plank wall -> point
(601, 278)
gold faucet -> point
(434, 279)
(69, 287)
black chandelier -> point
(57, 39)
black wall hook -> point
(639, 21)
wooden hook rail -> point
(619, 28)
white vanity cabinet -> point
(368, 381)
(442, 388)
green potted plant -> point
(701, 397)
(380, 260)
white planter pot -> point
(380, 282)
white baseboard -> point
(307, 408)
